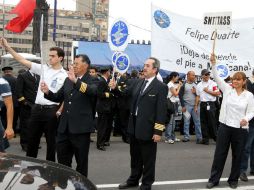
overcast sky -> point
(138, 12)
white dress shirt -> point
(234, 107)
(52, 77)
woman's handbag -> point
(170, 107)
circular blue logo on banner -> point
(223, 70)
(119, 33)
(115, 56)
(122, 63)
(161, 19)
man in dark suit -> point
(76, 122)
(146, 123)
(104, 107)
(26, 87)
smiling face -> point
(149, 69)
(80, 67)
(239, 80)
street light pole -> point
(54, 29)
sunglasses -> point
(207, 74)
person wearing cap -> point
(207, 91)
(43, 115)
(146, 124)
(237, 109)
(76, 121)
(26, 87)
(104, 106)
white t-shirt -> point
(52, 77)
(205, 97)
(172, 98)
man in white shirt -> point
(207, 91)
(43, 114)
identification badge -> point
(208, 107)
(53, 83)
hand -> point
(156, 138)
(44, 87)
(196, 109)
(206, 89)
(243, 122)
(4, 43)
(112, 84)
(193, 90)
(8, 133)
(71, 74)
(58, 114)
(213, 59)
(183, 109)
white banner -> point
(183, 43)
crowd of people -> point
(67, 106)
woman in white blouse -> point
(173, 91)
(237, 109)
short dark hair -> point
(172, 75)
(93, 67)
(84, 57)
(134, 74)
(60, 51)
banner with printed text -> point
(183, 43)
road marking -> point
(180, 182)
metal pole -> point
(54, 29)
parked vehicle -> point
(25, 173)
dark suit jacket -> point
(78, 105)
(152, 109)
(27, 87)
(105, 98)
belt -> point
(208, 102)
(45, 106)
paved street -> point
(179, 166)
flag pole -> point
(41, 36)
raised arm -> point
(221, 83)
(16, 56)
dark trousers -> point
(104, 128)
(208, 121)
(248, 153)
(74, 144)
(43, 120)
(25, 113)
(143, 158)
(236, 137)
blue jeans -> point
(248, 152)
(196, 120)
(170, 128)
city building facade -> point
(89, 23)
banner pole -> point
(215, 37)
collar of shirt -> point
(149, 81)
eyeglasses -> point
(207, 74)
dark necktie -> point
(140, 93)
